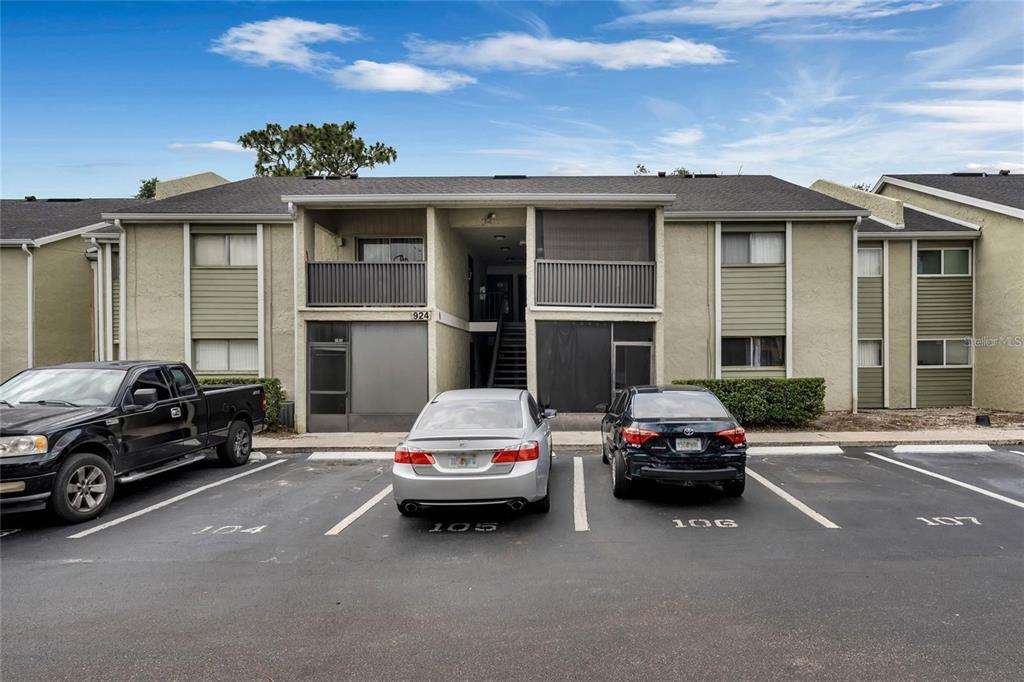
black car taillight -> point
(736, 436)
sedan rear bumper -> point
(688, 475)
(522, 483)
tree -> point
(641, 170)
(681, 171)
(147, 189)
(862, 186)
(308, 149)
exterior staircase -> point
(510, 366)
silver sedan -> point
(480, 446)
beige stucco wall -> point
(13, 311)
(822, 307)
(450, 269)
(63, 302)
(999, 298)
(279, 304)
(880, 206)
(452, 358)
(350, 224)
(689, 319)
(154, 291)
(901, 269)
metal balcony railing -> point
(336, 284)
(599, 284)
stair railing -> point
(502, 311)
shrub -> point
(271, 387)
(768, 402)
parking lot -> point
(869, 564)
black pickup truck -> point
(68, 433)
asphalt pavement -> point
(870, 564)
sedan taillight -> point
(406, 455)
(530, 450)
(735, 436)
(637, 436)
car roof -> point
(669, 388)
(479, 394)
(107, 364)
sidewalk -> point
(337, 442)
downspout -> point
(122, 264)
(99, 296)
(854, 345)
(31, 307)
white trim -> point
(942, 261)
(122, 264)
(453, 321)
(108, 300)
(718, 300)
(888, 223)
(299, 330)
(854, 340)
(441, 199)
(935, 214)
(952, 196)
(261, 347)
(885, 325)
(913, 323)
(764, 215)
(42, 241)
(95, 311)
(187, 239)
(592, 309)
(789, 299)
(101, 306)
(910, 234)
(199, 217)
(30, 312)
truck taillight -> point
(525, 452)
(637, 436)
(406, 455)
(735, 436)
(264, 402)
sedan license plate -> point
(462, 461)
(688, 445)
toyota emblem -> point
(687, 431)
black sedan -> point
(679, 435)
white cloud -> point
(1012, 166)
(1008, 78)
(515, 51)
(841, 35)
(992, 116)
(747, 13)
(398, 77)
(682, 137)
(215, 145)
(283, 41)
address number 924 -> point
(421, 315)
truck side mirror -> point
(143, 398)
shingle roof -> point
(914, 221)
(1007, 190)
(21, 219)
(743, 193)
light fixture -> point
(499, 237)
(489, 218)
(506, 248)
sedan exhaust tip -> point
(516, 505)
(411, 507)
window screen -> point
(609, 235)
(209, 249)
(242, 248)
(234, 355)
(929, 353)
(735, 248)
(957, 352)
(736, 352)
(574, 365)
(869, 262)
(956, 262)
(391, 250)
(869, 353)
(759, 351)
(929, 262)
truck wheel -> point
(734, 488)
(235, 450)
(82, 489)
(621, 487)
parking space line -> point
(364, 456)
(579, 497)
(947, 479)
(794, 450)
(354, 516)
(944, 448)
(176, 498)
(792, 500)
(1017, 452)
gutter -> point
(31, 306)
(765, 215)
(527, 198)
(905, 234)
(199, 217)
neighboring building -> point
(187, 183)
(366, 296)
(46, 280)
(941, 260)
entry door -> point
(328, 383)
(500, 284)
(631, 365)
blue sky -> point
(96, 96)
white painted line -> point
(795, 450)
(361, 456)
(351, 518)
(1017, 452)
(792, 500)
(947, 479)
(177, 498)
(579, 496)
(946, 449)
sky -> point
(96, 96)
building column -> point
(432, 265)
(531, 289)
(659, 295)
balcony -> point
(596, 284)
(353, 284)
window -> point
(678, 405)
(758, 248)
(151, 378)
(234, 355)
(181, 382)
(869, 353)
(238, 250)
(758, 351)
(948, 262)
(943, 353)
(474, 415)
(869, 262)
(535, 412)
(391, 249)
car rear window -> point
(678, 405)
(471, 415)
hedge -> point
(271, 387)
(768, 402)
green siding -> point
(944, 307)
(115, 309)
(753, 372)
(754, 300)
(944, 386)
(224, 303)
(869, 307)
(870, 387)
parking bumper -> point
(521, 484)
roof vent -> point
(705, 175)
(509, 177)
(968, 175)
(59, 201)
(1004, 171)
(30, 197)
(661, 174)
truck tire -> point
(622, 488)
(734, 488)
(82, 489)
(237, 447)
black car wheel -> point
(622, 488)
(235, 449)
(734, 488)
(82, 489)
(604, 451)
